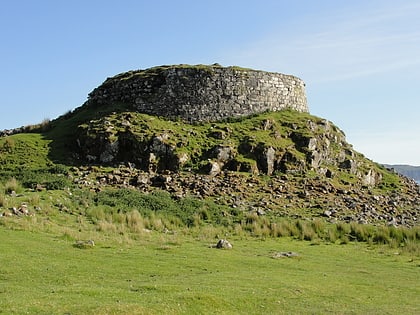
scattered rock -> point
(84, 244)
(224, 244)
(218, 134)
(213, 168)
(281, 193)
(284, 255)
(21, 211)
(327, 213)
(7, 213)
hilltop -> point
(277, 163)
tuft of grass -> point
(129, 213)
(412, 247)
(107, 227)
(360, 232)
(135, 221)
(12, 185)
(382, 235)
(3, 200)
(8, 145)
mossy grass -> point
(57, 144)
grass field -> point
(156, 273)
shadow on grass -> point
(63, 131)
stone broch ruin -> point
(202, 93)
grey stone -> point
(285, 255)
(224, 244)
(203, 93)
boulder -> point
(284, 255)
(213, 168)
(224, 244)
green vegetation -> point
(154, 71)
(153, 254)
(23, 152)
(130, 212)
(287, 132)
(152, 251)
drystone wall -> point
(202, 93)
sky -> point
(360, 59)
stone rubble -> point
(279, 195)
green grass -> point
(177, 274)
(153, 255)
(152, 252)
(127, 211)
(24, 151)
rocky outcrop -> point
(269, 146)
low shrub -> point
(54, 178)
(412, 247)
(308, 233)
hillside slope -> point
(234, 136)
(283, 163)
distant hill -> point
(406, 170)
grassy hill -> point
(285, 163)
(311, 173)
(154, 194)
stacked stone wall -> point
(202, 93)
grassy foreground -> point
(42, 273)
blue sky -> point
(360, 59)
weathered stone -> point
(223, 153)
(327, 213)
(218, 134)
(213, 168)
(109, 153)
(84, 244)
(349, 164)
(202, 93)
(224, 244)
(267, 124)
(159, 146)
(182, 159)
(284, 255)
(371, 178)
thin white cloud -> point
(351, 45)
